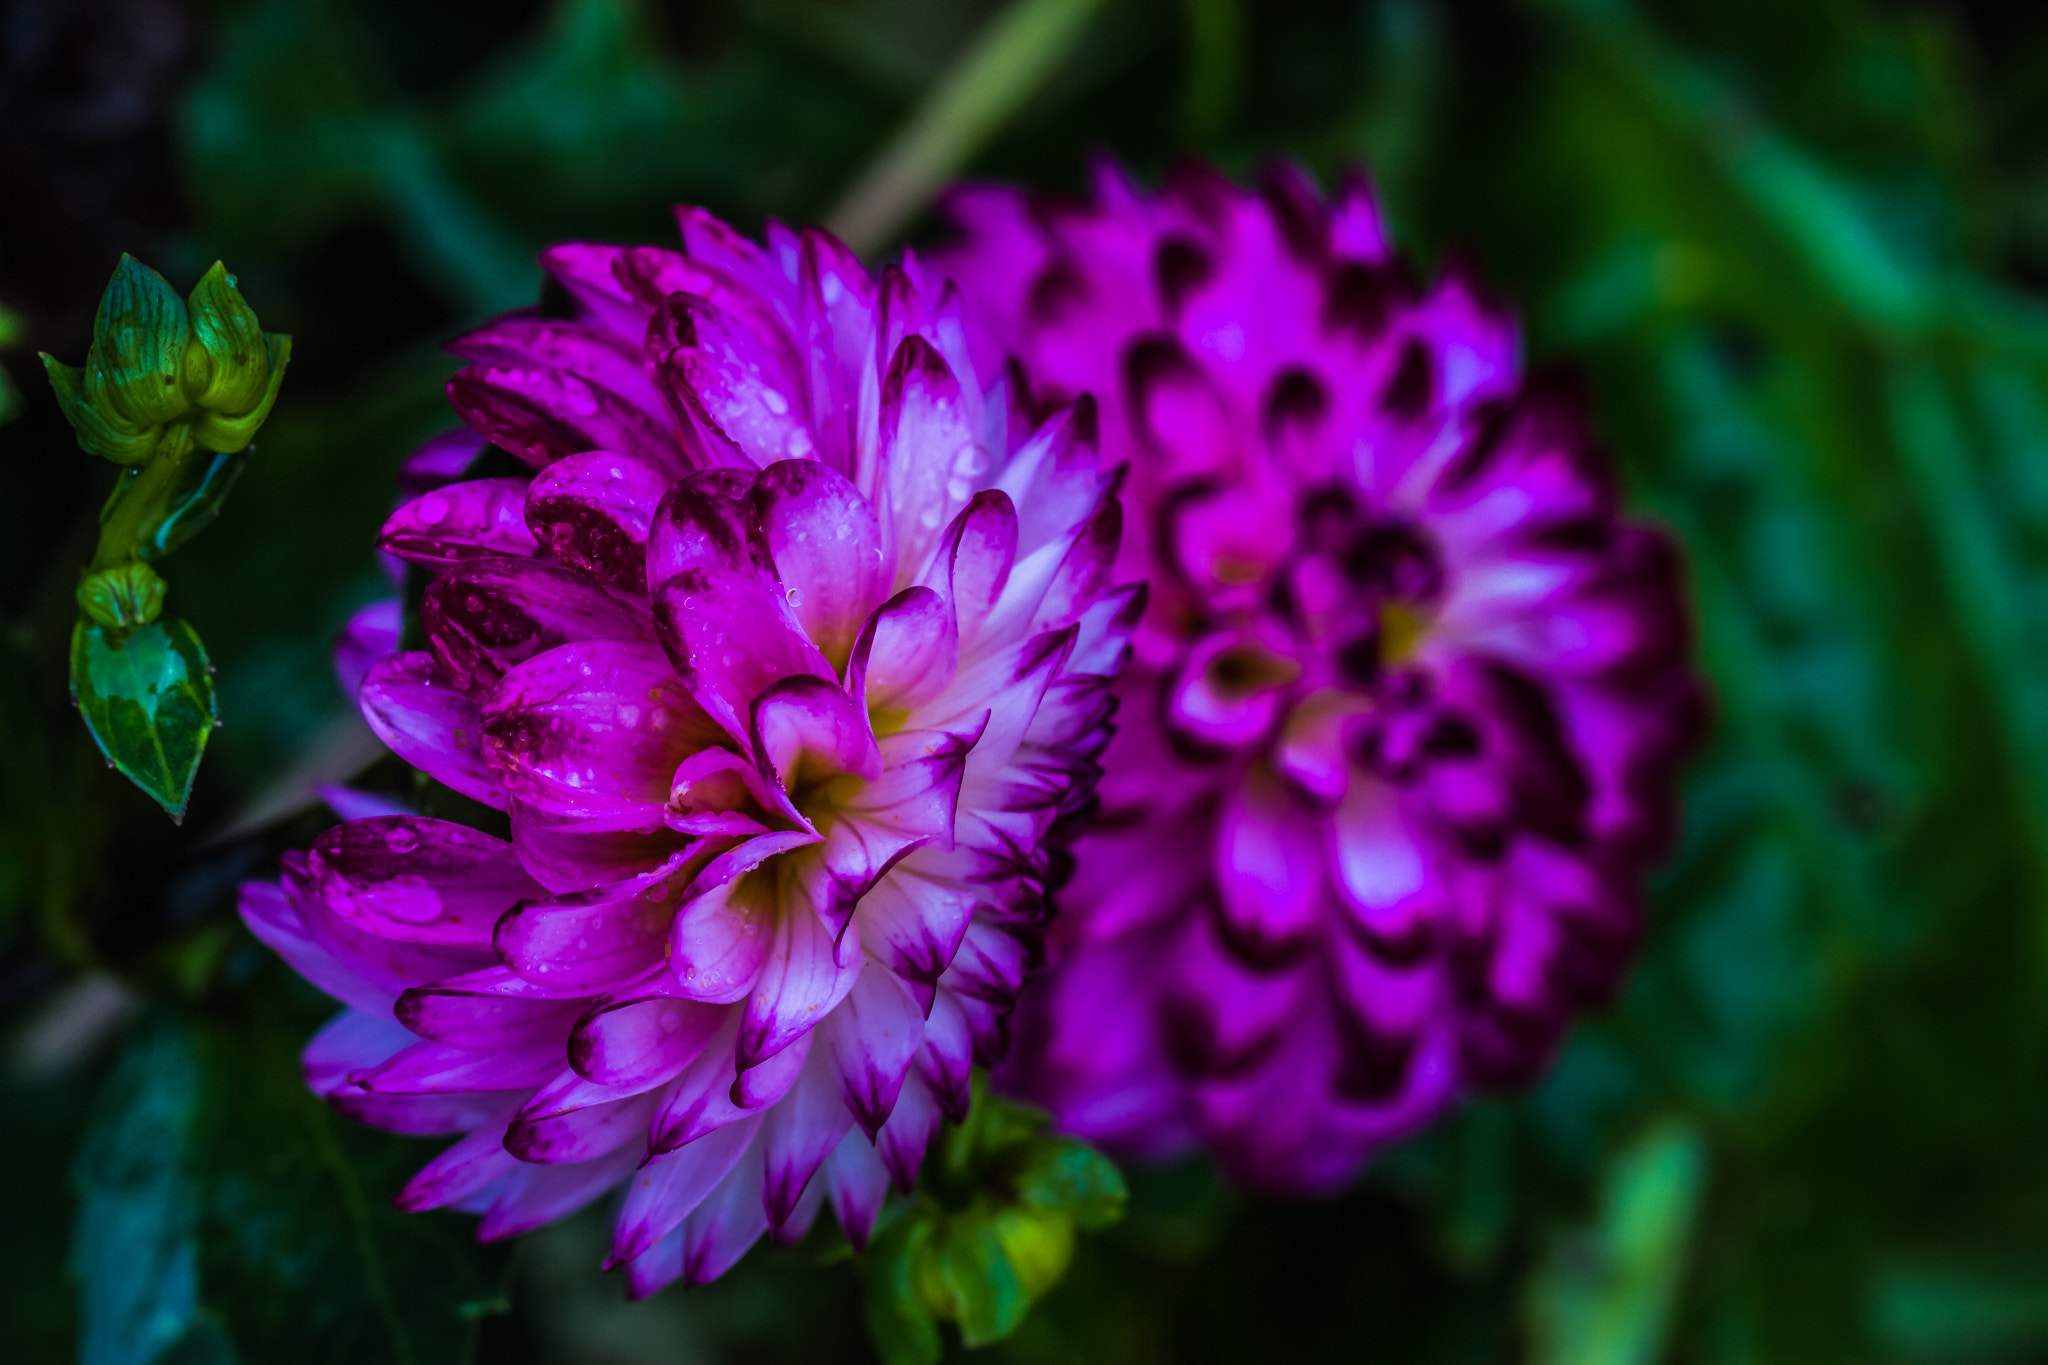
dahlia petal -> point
(429, 723)
(416, 880)
(928, 442)
(276, 924)
(575, 1119)
(818, 536)
(479, 519)
(797, 1135)
(700, 523)
(913, 925)
(376, 969)
(972, 561)
(792, 1230)
(462, 1170)
(1083, 576)
(585, 270)
(367, 637)
(989, 965)
(562, 856)
(906, 654)
(719, 792)
(719, 1230)
(711, 1092)
(612, 359)
(945, 1058)
(486, 1011)
(352, 1041)
(593, 731)
(442, 460)
(804, 975)
(481, 619)
(541, 415)
(806, 724)
(1268, 872)
(593, 512)
(642, 1037)
(536, 1195)
(858, 1183)
(730, 637)
(912, 1125)
(1376, 861)
(432, 1068)
(1053, 480)
(735, 405)
(721, 939)
(871, 1039)
(669, 1186)
(594, 939)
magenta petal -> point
(712, 1093)
(858, 1183)
(700, 523)
(914, 925)
(721, 938)
(1269, 875)
(819, 539)
(594, 939)
(541, 415)
(1376, 859)
(563, 857)
(730, 636)
(429, 723)
(719, 1231)
(351, 1041)
(614, 361)
(664, 1191)
(593, 731)
(483, 618)
(716, 791)
(367, 638)
(489, 1010)
(907, 653)
(418, 880)
(975, 557)
(593, 512)
(804, 976)
(536, 1195)
(430, 1068)
(1083, 577)
(459, 1172)
(911, 1127)
(573, 1119)
(798, 1134)
(464, 521)
(932, 456)
(442, 460)
(946, 1057)
(641, 1037)
(989, 965)
(805, 728)
(871, 1039)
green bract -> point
(989, 1231)
(162, 375)
(123, 597)
(147, 696)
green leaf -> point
(134, 1248)
(898, 1321)
(99, 432)
(139, 340)
(219, 431)
(1066, 1175)
(147, 697)
(983, 1292)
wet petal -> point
(593, 512)
(418, 880)
(479, 519)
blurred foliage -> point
(1797, 252)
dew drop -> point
(401, 840)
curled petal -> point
(805, 730)
(418, 880)
(669, 1186)
(642, 1036)
(483, 618)
(430, 723)
(463, 521)
(730, 637)
(593, 512)
(574, 1119)
(906, 654)
(488, 1010)
(871, 1038)
(817, 535)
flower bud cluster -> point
(167, 374)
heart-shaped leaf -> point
(147, 696)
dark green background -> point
(1797, 249)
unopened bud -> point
(123, 597)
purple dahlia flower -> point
(1400, 730)
(786, 665)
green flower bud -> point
(136, 366)
(227, 367)
(123, 597)
(225, 432)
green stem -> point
(1000, 70)
(140, 492)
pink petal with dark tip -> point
(430, 723)
(798, 1134)
(858, 1183)
(551, 343)
(459, 1172)
(573, 1119)
(480, 519)
(871, 1039)
(907, 653)
(931, 456)
(483, 618)
(537, 1195)
(911, 1127)
(730, 637)
(664, 1191)
(488, 1010)
(806, 729)
(914, 925)
(594, 939)
(803, 976)
(719, 1231)
(593, 512)
(418, 880)
(945, 1058)
(642, 1036)
(432, 1068)
(700, 523)
(815, 533)
(973, 561)
(541, 415)
(592, 731)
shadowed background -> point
(1797, 253)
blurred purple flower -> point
(1400, 733)
(787, 665)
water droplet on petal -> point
(401, 840)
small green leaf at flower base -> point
(147, 697)
(1068, 1175)
(982, 1290)
(898, 1320)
